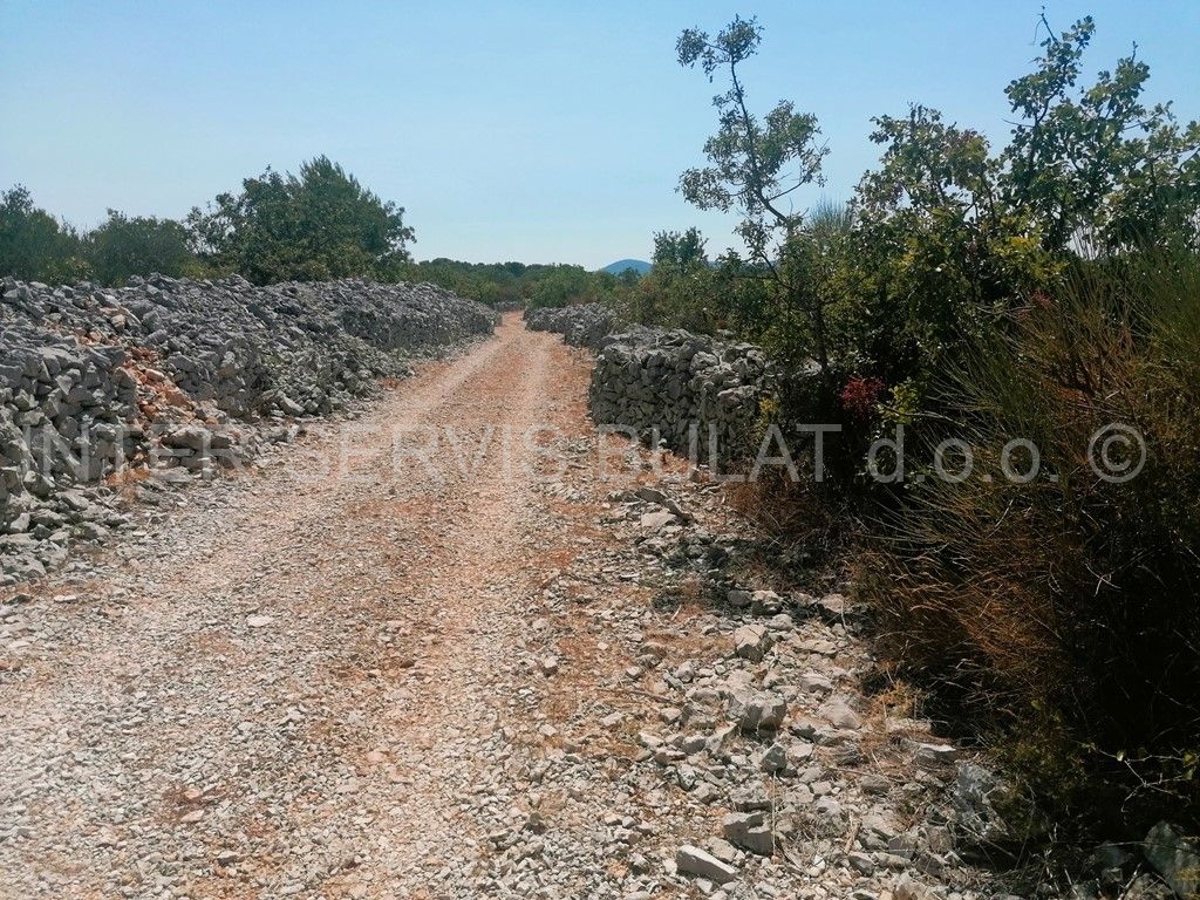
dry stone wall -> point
(666, 384)
(583, 325)
(680, 383)
(178, 378)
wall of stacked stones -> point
(583, 325)
(681, 384)
(181, 376)
(692, 388)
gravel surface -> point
(349, 674)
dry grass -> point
(806, 520)
(1061, 614)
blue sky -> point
(531, 131)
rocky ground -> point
(113, 391)
(367, 669)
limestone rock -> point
(694, 861)
(757, 710)
(751, 642)
(749, 831)
(1177, 861)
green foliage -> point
(755, 163)
(1103, 170)
(680, 289)
(501, 285)
(944, 256)
(1042, 289)
(942, 239)
(317, 225)
(678, 254)
(34, 246)
(560, 286)
(953, 235)
(511, 285)
(1068, 604)
(124, 246)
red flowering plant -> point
(860, 395)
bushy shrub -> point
(1068, 603)
(34, 246)
(137, 245)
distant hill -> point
(638, 265)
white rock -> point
(751, 642)
(841, 715)
(694, 861)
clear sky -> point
(540, 132)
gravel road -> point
(283, 690)
(429, 652)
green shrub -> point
(1066, 608)
(138, 245)
(34, 246)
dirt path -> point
(370, 669)
(296, 685)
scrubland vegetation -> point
(1038, 302)
(1042, 289)
(317, 225)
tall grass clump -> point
(1062, 611)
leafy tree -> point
(824, 255)
(628, 278)
(317, 225)
(512, 284)
(34, 246)
(754, 165)
(943, 253)
(561, 286)
(679, 252)
(1101, 171)
(680, 287)
(953, 235)
(124, 246)
(1044, 288)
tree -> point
(955, 235)
(754, 166)
(825, 257)
(125, 246)
(679, 252)
(560, 286)
(317, 225)
(944, 252)
(679, 289)
(34, 246)
(1103, 171)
